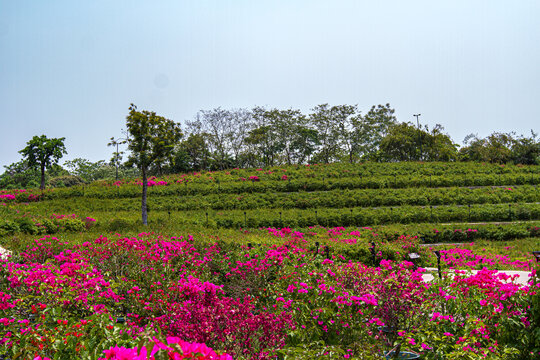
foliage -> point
(66, 181)
(41, 152)
(86, 170)
(501, 148)
(405, 142)
(322, 291)
(151, 141)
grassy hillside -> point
(283, 263)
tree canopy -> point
(151, 140)
(41, 152)
(405, 142)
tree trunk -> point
(143, 201)
(42, 177)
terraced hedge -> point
(329, 195)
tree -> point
(87, 170)
(43, 153)
(19, 176)
(439, 146)
(242, 123)
(526, 150)
(329, 123)
(261, 140)
(151, 140)
(496, 148)
(370, 129)
(193, 152)
(401, 143)
(501, 148)
(344, 117)
(282, 132)
(218, 124)
(405, 142)
(264, 138)
(304, 144)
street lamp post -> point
(117, 142)
(419, 135)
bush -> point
(120, 224)
(32, 184)
(27, 226)
(73, 225)
(8, 227)
(49, 226)
(66, 181)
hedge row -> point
(355, 217)
(288, 186)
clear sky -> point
(71, 68)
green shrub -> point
(120, 224)
(73, 225)
(49, 226)
(32, 184)
(66, 181)
(27, 226)
(8, 227)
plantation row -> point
(334, 217)
(197, 187)
(340, 170)
(325, 199)
(36, 224)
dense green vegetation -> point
(258, 233)
(300, 196)
(219, 139)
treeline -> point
(21, 175)
(241, 138)
(220, 139)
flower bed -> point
(106, 297)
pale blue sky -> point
(71, 68)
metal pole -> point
(372, 249)
(116, 162)
(438, 254)
(419, 135)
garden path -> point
(4, 252)
(523, 276)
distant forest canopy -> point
(219, 139)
